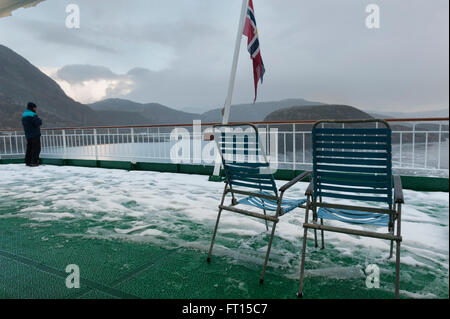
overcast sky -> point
(179, 52)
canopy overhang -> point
(8, 6)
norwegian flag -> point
(251, 32)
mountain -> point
(431, 114)
(340, 112)
(21, 82)
(10, 111)
(309, 113)
(123, 112)
(254, 111)
(119, 111)
(11, 115)
(317, 112)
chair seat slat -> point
(243, 170)
(354, 217)
(354, 189)
(248, 173)
(384, 199)
(237, 149)
(356, 169)
(353, 131)
(250, 165)
(373, 184)
(383, 155)
(238, 144)
(352, 146)
(352, 177)
(344, 138)
(263, 181)
(272, 205)
(255, 186)
(367, 162)
(250, 176)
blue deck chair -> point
(352, 160)
(249, 180)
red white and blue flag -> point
(251, 32)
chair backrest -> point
(243, 158)
(352, 160)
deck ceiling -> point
(8, 6)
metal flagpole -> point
(227, 107)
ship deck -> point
(141, 234)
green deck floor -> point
(146, 235)
(33, 262)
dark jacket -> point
(31, 124)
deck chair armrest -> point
(309, 190)
(398, 190)
(293, 181)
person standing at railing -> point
(32, 127)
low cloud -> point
(90, 83)
(55, 33)
(84, 72)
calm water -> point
(161, 153)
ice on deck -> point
(60, 209)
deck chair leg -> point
(302, 265)
(214, 236)
(267, 226)
(391, 230)
(217, 224)
(315, 230)
(267, 254)
(397, 270)
(322, 233)
(397, 253)
(315, 238)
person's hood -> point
(28, 113)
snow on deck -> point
(175, 210)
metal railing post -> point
(17, 146)
(401, 147)
(133, 148)
(95, 142)
(304, 148)
(413, 145)
(439, 147)
(64, 144)
(21, 143)
(293, 147)
(426, 149)
(10, 144)
(159, 144)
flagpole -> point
(227, 106)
